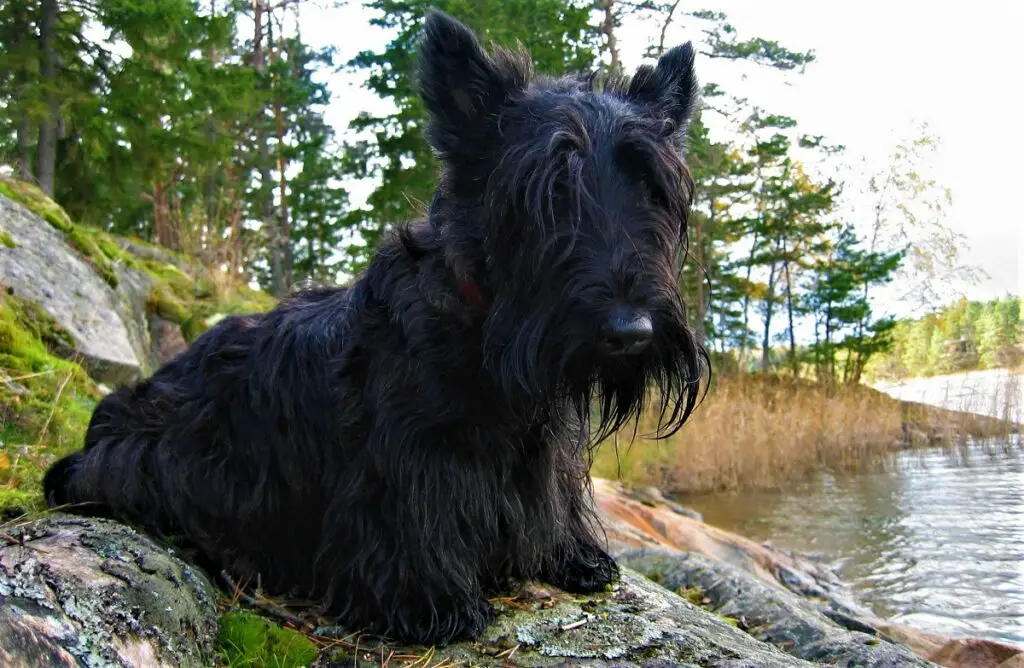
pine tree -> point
(834, 297)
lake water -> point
(994, 392)
(935, 542)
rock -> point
(638, 624)
(81, 591)
(167, 339)
(45, 269)
(631, 523)
(133, 289)
(150, 252)
(771, 614)
(653, 496)
(78, 591)
(91, 592)
(638, 530)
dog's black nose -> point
(627, 332)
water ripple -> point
(935, 544)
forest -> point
(201, 126)
(963, 336)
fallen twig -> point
(269, 607)
(574, 625)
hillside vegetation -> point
(46, 394)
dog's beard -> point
(544, 365)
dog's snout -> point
(627, 332)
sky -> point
(882, 69)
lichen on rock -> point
(91, 592)
(636, 624)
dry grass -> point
(760, 433)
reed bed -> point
(757, 432)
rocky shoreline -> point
(85, 592)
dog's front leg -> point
(579, 564)
(581, 567)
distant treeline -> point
(963, 336)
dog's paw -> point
(452, 622)
(592, 570)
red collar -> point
(476, 297)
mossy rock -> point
(48, 371)
(35, 200)
(7, 241)
(84, 240)
(246, 640)
(164, 303)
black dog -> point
(402, 448)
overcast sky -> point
(881, 68)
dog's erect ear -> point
(461, 86)
(670, 87)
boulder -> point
(41, 266)
(91, 592)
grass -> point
(45, 401)
(753, 432)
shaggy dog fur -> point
(402, 448)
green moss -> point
(7, 241)
(84, 240)
(109, 247)
(247, 640)
(33, 199)
(694, 596)
(17, 499)
(167, 305)
(183, 285)
(46, 401)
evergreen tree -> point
(835, 298)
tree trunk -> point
(608, 28)
(210, 178)
(284, 240)
(828, 345)
(268, 218)
(769, 309)
(21, 43)
(746, 303)
(700, 307)
(789, 311)
(47, 147)
(164, 230)
(25, 149)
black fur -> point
(403, 448)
